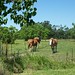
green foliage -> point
(21, 11)
(8, 35)
(14, 64)
(72, 31)
(3, 21)
(46, 31)
(32, 31)
(19, 61)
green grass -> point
(49, 72)
(64, 54)
(55, 72)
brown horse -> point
(32, 43)
(53, 43)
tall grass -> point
(44, 61)
(41, 62)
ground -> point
(66, 52)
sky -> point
(58, 12)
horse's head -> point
(53, 42)
(38, 39)
(50, 41)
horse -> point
(53, 43)
(32, 43)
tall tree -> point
(72, 31)
(21, 11)
(33, 31)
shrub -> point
(14, 64)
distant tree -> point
(66, 33)
(47, 24)
(60, 31)
(72, 31)
(33, 31)
(73, 24)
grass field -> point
(66, 52)
(49, 72)
(64, 47)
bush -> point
(14, 64)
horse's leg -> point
(30, 47)
(35, 46)
(56, 48)
(52, 47)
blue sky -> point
(56, 11)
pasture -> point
(65, 47)
(66, 53)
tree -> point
(72, 31)
(32, 31)
(8, 34)
(13, 33)
(21, 11)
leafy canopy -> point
(21, 11)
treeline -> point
(44, 30)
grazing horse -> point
(53, 43)
(32, 43)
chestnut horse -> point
(33, 42)
(53, 43)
